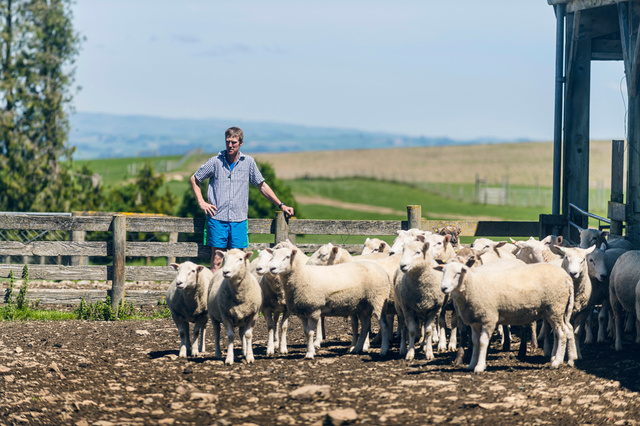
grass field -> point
(435, 177)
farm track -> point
(128, 373)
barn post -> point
(631, 53)
(557, 121)
(282, 228)
(77, 237)
(414, 217)
(617, 194)
(576, 132)
(173, 238)
(119, 229)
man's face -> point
(233, 145)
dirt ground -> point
(128, 373)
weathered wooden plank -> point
(345, 227)
(485, 228)
(573, 5)
(311, 248)
(61, 223)
(57, 272)
(73, 297)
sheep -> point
(404, 237)
(375, 245)
(454, 232)
(590, 236)
(353, 288)
(273, 304)
(518, 295)
(622, 292)
(418, 297)
(328, 254)
(534, 251)
(500, 249)
(600, 262)
(187, 300)
(235, 302)
(575, 263)
(440, 247)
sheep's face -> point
(281, 261)
(323, 256)
(530, 251)
(187, 274)
(262, 264)
(575, 261)
(234, 263)
(597, 266)
(413, 255)
(453, 274)
(375, 245)
(437, 244)
(589, 237)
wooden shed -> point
(593, 30)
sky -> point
(461, 69)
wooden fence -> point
(118, 248)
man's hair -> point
(234, 132)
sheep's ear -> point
(174, 266)
(559, 240)
(471, 261)
(603, 247)
(367, 240)
(420, 238)
(199, 268)
(334, 249)
(439, 267)
(269, 250)
(447, 238)
(590, 249)
(500, 244)
(513, 241)
(293, 254)
(219, 253)
(425, 247)
(248, 255)
(605, 234)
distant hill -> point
(113, 136)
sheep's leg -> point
(248, 338)
(271, 329)
(242, 330)
(185, 341)
(524, 339)
(198, 337)
(483, 342)
(534, 335)
(216, 338)
(354, 332)
(230, 336)
(618, 316)
(310, 327)
(476, 329)
(384, 331)
(277, 321)
(505, 336)
(453, 337)
(629, 322)
(428, 339)
(442, 338)
(319, 332)
(546, 346)
(603, 321)
(561, 335)
(412, 328)
(579, 333)
(284, 325)
(402, 331)
(365, 324)
(588, 324)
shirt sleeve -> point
(206, 171)
(255, 177)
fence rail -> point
(117, 247)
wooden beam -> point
(623, 20)
(634, 59)
(573, 31)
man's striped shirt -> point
(229, 189)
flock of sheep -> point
(486, 285)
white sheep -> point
(622, 292)
(273, 304)
(187, 300)
(405, 237)
(516, 296)
(328, 254)
(494, 249)
(419, 300)
(590, 237)
(375, 245)
(575, 262)
(235, 303)
(534, 251)
(353, 288)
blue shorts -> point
(225, 235)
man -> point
(229, 174)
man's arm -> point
(268, 193)
(209, 209)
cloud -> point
(185, 38)
(232, 49)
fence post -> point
(282, 228)
(119, 225)
(617, 172)
(77, 236)
(173, 238)
(414, 216)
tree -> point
(38, 48)
(143, 196)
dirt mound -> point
(79, 372)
